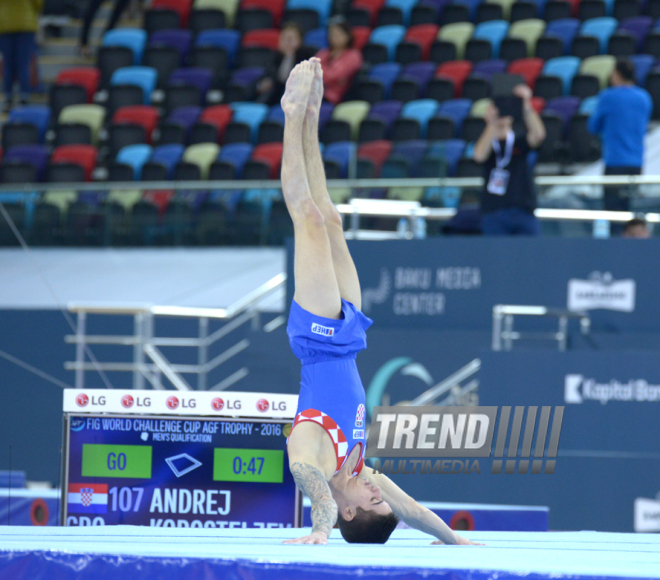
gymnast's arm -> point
(412, 513)
(309, 476)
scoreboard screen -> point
(177, 471)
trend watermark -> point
(465, 432)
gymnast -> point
(326, 329)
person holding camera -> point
(508, 200)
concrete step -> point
(72, 29)
(63, 47)
(50, 66)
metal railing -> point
(148, 360)
(504, 334)
(451, 388)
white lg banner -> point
(647, 515)
(267, 405)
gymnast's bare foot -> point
(316, 91)
(296, 95)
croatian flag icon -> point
(88, 498)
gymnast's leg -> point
(347, 277)
(316, 290)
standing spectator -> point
(340, 61)
(290, 51)
(621, 119)
(18, 27)
(508, 199)
(92, 8)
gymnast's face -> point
(359, 492)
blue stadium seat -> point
(227, 39)
(564, 67)
(144, 77)
(386, 73)
(132, 38)
(456, 110)
(341, 152)
(421, 110)
(168, 156)
(318, 38)
(564, 29)
(473, 5)
(588, 105)
(37, 115)
(135, 156)
(276, 113)
(411, 151)
(405, 6)
(389, 36)
(252, 114)
(451, 150)
(322, 7)
(602, 28)
(493, 31)
(237, 154)
(643, 65)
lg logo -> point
(82, 400)
(263, 405)
(127, 401)
(173, 403)
(217, 404)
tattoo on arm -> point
(313, 483)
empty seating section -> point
(175, 100)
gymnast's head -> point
(363, 516)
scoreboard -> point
(194, 459)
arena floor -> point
(137, 553)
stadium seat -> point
(493, 32)
(227, 39)
(528, 68)
(271, 155)
(384, 74)
(565, 68)
(529, 31)
(376, 152)
(352, 113)
(263, 38)
(34, 155)
(164, 59)
(250, 114)
(83, 155)
(457, 71)
(455, 14)
(37, 116)
(61, 96)
(458, 34)
(623, 9)
(413, 81)
(93, 116)
(160, 166)
(208, 19)
(143, 77)
(424, 35)
(198, 157)
(131, 38)
(403, 6)
(242, 84)
(524, 10)
(456, 110)
(601, 28)
(109, 59)
(83, 76)
(588, 105)
(639, 27)
(379, 121)
(506, 7)
(643, 64)
(19, 133)
(487, 12)
(420, 111)
(135, 156)
(185, 116)
(322, 7)
(219, 116)
(564, 107)
(585, 46)
(557, 10)
(451, 150)
(237, 155)
(386, 36)
(371, 7)
(229, 7)
(181, 40)
(622, 44)
(599, 66)
(357, 16)
(426, 12)
(275, 7)
(145, 116)
(200, 78)
(181, 7)
(156, 19)
(317, 38)
(565, 29)
(591, 9)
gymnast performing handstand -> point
(326, 330)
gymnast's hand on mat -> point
(313, 538)
(460, 541)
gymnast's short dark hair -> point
(626, 69)
(367, 527)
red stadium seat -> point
(527, 68)
(218, 115)
(457, 71)
(183, 7)
(83, 76)
(361, 36)
(83, 155)
(159, 197)
(142, 115)
(376, 152)
(275, 7)
(424, 35)
(538, 104)
(371, 6)
(270, 154)
(268, 38)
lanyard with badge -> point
(499, 176)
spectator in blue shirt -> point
(621, 119)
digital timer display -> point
(257, 465)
